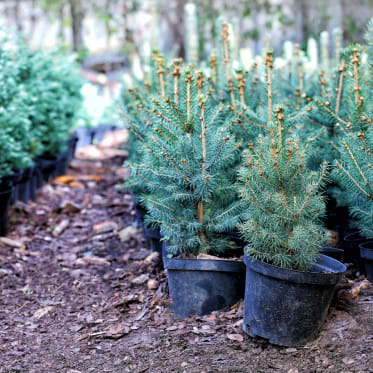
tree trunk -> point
(77, 16)
(17, 18)
(301, 20)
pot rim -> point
(214, 265)
(366, 252)
(326, 271)
(350, 237)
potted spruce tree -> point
(353, 169)
(135, 111)
(289, 285)
(189, 165)
(350, 113)
(49, 85)
(353, 172)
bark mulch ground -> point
(80, 292)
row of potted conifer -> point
(235, 157)
(40, 102)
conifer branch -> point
(200, 82)
(355, 62)
(225, 36)
(231, 90)
(234, 207)
(204, 157)
(188, 100)
(355, 162)
(161, 71)
(268, 62)
(241, 87)
(313, 187)
(353, 180)
(322, 82)
(334, 115)
(176, 74)
(121, 113)
(340, 85)
(213, 64)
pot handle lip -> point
(330, 271)
(366, 252)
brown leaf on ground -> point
(117, 331)
(356, 289)
(127, 233)
(12, 243)
(69, 207)
(64, 179)
(89, 177)
(105, 226)
(41, 312)
(152, 284)
(139, 280)
(95, 260)
(235, 337)
(77, 184)
(60, 227)
(122, 301)
(152, 258)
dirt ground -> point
(80, 296)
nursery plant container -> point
(100, 131)
(350, 245)
(140, 213)
(48, 164)
(201, 286)
(366, 253)
(38, 174)
(15, 179)
(24, 186)
(238, 241)
(5, 197)
(153, 239)
(62, 163)
(333, 252)
(71, 143)
(337, 217)
(288, 307)
(84, 135)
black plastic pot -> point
(100, 131)
(71, 144)
(85, 136)
(48, 166)
(337, 217)
(24, 186)
(15, 179)
(5, 196)
(288, 307)
(140, 213)
(62, 163)
(38, 174)
(153, 237)
(366, 253)
(333, 252)
(350, 245)
(92, 134)
(201, 286)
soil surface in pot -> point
(85, 295)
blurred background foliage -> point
(94, 26)
(114, 39)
